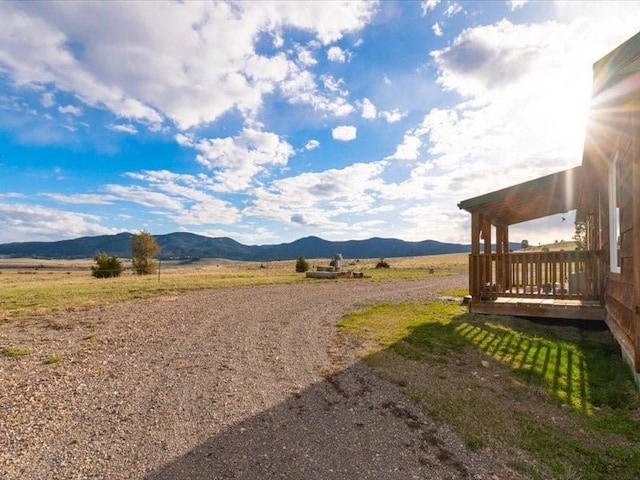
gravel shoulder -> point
(249, 382)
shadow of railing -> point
(559, 367)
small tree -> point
(143, 248)
(580, 235)
(524, 244)
(301, 265)
(106, 266)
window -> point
(614, 216)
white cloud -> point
(525, 93)
(25, 222)
(147, 62)
(393, 116)
(300, 88)
(428, 5)
(453, 9)
(336, 54)
(312, 145)
(236, 161)
(386, 80)
(144, 196)
(321, 199)
(369, 110)
(31, 58)
(515, 4)
(184, 140)
(48, 100)
(81, 198)
(70, 110)
(409, 149)
(305, 57)
(278, 41)
(125, 128)
(344, 133)
(184, 199)
(437, 29)
(334, 85)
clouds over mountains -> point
(286, 119)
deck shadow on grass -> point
(565, 358)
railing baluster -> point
(533, 274)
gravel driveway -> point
(248, 382)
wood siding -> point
(620, 291)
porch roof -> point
(541, 197)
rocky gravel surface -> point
(250, 383)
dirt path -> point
(233, 383)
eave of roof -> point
(541, 197)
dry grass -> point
(34, 286)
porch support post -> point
(474, 264)
(507, 263)
(475, 233)
(486, 236)
(502, 261)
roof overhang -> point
(538, 198)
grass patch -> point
(52, 360)
(556, 400)
(455, 292)
(16, 352)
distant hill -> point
(189, 245)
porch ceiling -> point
(544, 196)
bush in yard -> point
(382, 263)
(301, 265)
(106, 266)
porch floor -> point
(541, 308)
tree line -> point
(143, 248)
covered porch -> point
(554, 284)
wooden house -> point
(601, 281)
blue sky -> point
(271, 121)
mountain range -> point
(189, 245)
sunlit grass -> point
(556, 365)
(16, 352)
(557, 394)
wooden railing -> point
(577, 274)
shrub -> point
(301, 265)
(106, 266)
(382, 263)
